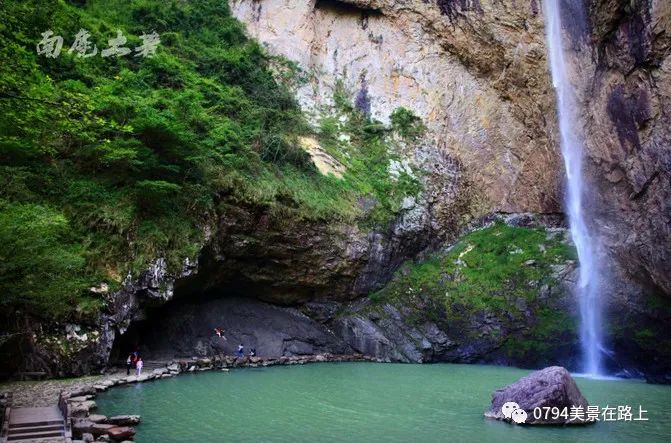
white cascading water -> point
(572, 151)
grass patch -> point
(486, 269)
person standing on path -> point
(241, 350)
(129, 363)
(138, 366)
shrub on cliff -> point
(406, 123)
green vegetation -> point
(407, 124)
(498, 271)
(372, 157)
(108, 163)
(486, 269)
(31, 234)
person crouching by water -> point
(129, 363)
(138, 366)
(241, 351)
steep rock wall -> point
(628, 139)
(475, 74)
(628, 116)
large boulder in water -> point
(548, 388)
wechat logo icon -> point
(519, 416)
(512, 411)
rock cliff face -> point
(473, 71)
(476, 72)
(406, 329)
(627, 121)
(628, 137)
(186, 328)
(258, 254)
(416, 329)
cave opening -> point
(183, 328)
(343, 8)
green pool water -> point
(366, 402)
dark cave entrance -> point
(181, 328)
(343, 8)
(184, 328)
(338, 8)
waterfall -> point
(572, 152)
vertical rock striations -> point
(628, 116)
(473, 71)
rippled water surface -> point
(338, 402)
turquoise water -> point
(366, 402)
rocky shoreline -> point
(80, 393)
(408, 320)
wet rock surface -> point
(628, 144)
(628, 137)
(120, 433)
(387, 333)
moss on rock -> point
(501, 284)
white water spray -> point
(572, 151)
